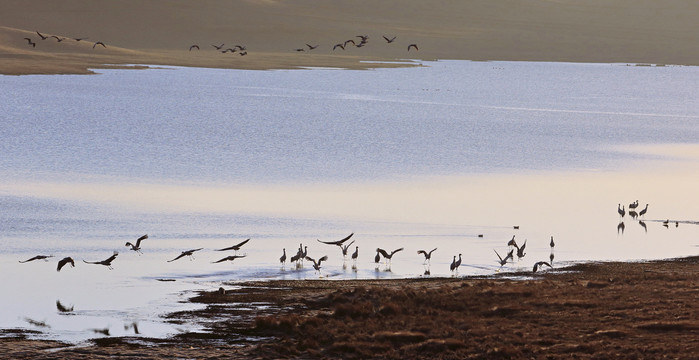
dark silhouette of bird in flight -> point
(58, 39)
(539, 264)
(512, 242)
(344, 248)
(428, 254)
(350, 41)
(413, 46)
(243, 53)
(552, 244)
(387, 255)
(300, 49)
(218, 47)
(389, 40)
(235, 247)
(643, 212)
(282, 259)
(228, 50)
(355, 254)
(502, 261)
(316, 264)
(195, 46)
(64, 261)
(99, 43)
(312, 47)
(42, 36)
(38, 257)
(137, 247)
(240, 47)
(106, 262)
(80, 39)
(520, 250)
(229, 258)
(337, 242)
(341, 46)
(189, 253)
(60, 307)
(30, 42)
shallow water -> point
(418, 158)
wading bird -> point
(539, 264)
(282, 259)
(137, 247)
(621, 211)
(452, 266)
(552, 244)
(377, 258)
(38, 257)
(235, 247)
(106, 262)
(413, 46)
(643, 212)
(428, 254)
(355, 254)
(344, 248)
(386, 255)
(229, 258)
(64, 261)
(316, 264)
(633, 205)
(189, 253)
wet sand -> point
(597, 310)
(161, 32)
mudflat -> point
(640, 310)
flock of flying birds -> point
(302, 254)
(32, 43)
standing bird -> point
(428, 255)
(195, 46)
(355, 254)
(99, 43)
(413, 46)
(106, 262)
(316, 264)
(389, 40)
(189, 253)
(377, 258)
(62, 308)
(137, 247)
(539, 264)
(235, 247)
(64, 261)
(643, 212)
(229, 258)
(452, 266)
(387, 255)
(552, 244)
(621, 211)
(633, 205)
(218, 47)
(38, 257)
(282, 259)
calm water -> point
(422, 157)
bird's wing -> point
(496, 253)
(242, 243)
(109, 259)
(431, 251)
(422, 252)
(222, 260)
(92, 262)
(324, 258)
(395, 251)
(138, 241)
(178, 257)
(382, 252)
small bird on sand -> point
(189, 253)
(38, 257)
(106, 262)
(64, 261)
(137, 247)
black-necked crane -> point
(311, 47)
(427, 254)
(228, 258)
(503, 261)
(137, 247)
(520, 250)
(633, 205)
(218, 47)
(189, 253)
(43, 37)
(344, 249)
(389, 40)
(621, 211)
(337, 242)
(340, 45)
(552, 244)
(282, 259)
(106, 262)
(316, 264)
(387, 255)
(38, 257)
(30, 42)
(355, 255)
(64, 261)
(99, 43)
(235, 247)
(195, 46)
(644, 211)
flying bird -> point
(389, 40)
(412, 46)
(428, 254)
(30, 42)
(311, 47)
(42, 36)
(137, 247)
(99, 43)
(341, 46)
(79, 39)
(243, 53)
(337, 242)
(60, 307)
(58, 39)
(195, 46)
(218, 47)
(106, 262)
(349, 41)
(539, 264)
(502, 261)
(235, 247)
(386, 255)
(189, 253)
(520, 250)
(344, 248)
(64, 261)
(316, 264)
(229, 258)
(38, 257)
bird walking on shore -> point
(137, 247)
(189, 253)
(427, 254)
(229, 258)
(235, 247)
(64, 261)
(38, 257)
(106, 262)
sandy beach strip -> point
(597, 310)
(161, 32)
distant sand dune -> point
(160, 32)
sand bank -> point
(161, 32)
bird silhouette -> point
(349, 41)
(643, 225)
(99, 43)
(42, 36)
(621, 211)
(633, 205)
(300, 49)
(189, 253)
(452, 266)
(235, 247)
(312, 47)
(643, 212)
(389, 40)
(218, 47)
(344, 248)
(106, 262)
(386, 255)
(337, 242)
(229, 258)
(552, 244)
(243, 53)
(502, 261)
(282, 259)
(539, 264)
(620, 228)
(195, 46)
(340, 45)
(355, 254)
(30, 42)
(80, 39)
(520, 250)
(38, 257)
(512, 242)
(427, 254)
(60, 307)
(413, 46)
(58, 39)
(240, 47)
(377, 258)
(316, 264)
(64, 261)
(137, 247)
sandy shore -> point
(161, 32)
(643, 310)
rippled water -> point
(451, 154)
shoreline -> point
(628, 309)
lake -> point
(450, 155)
